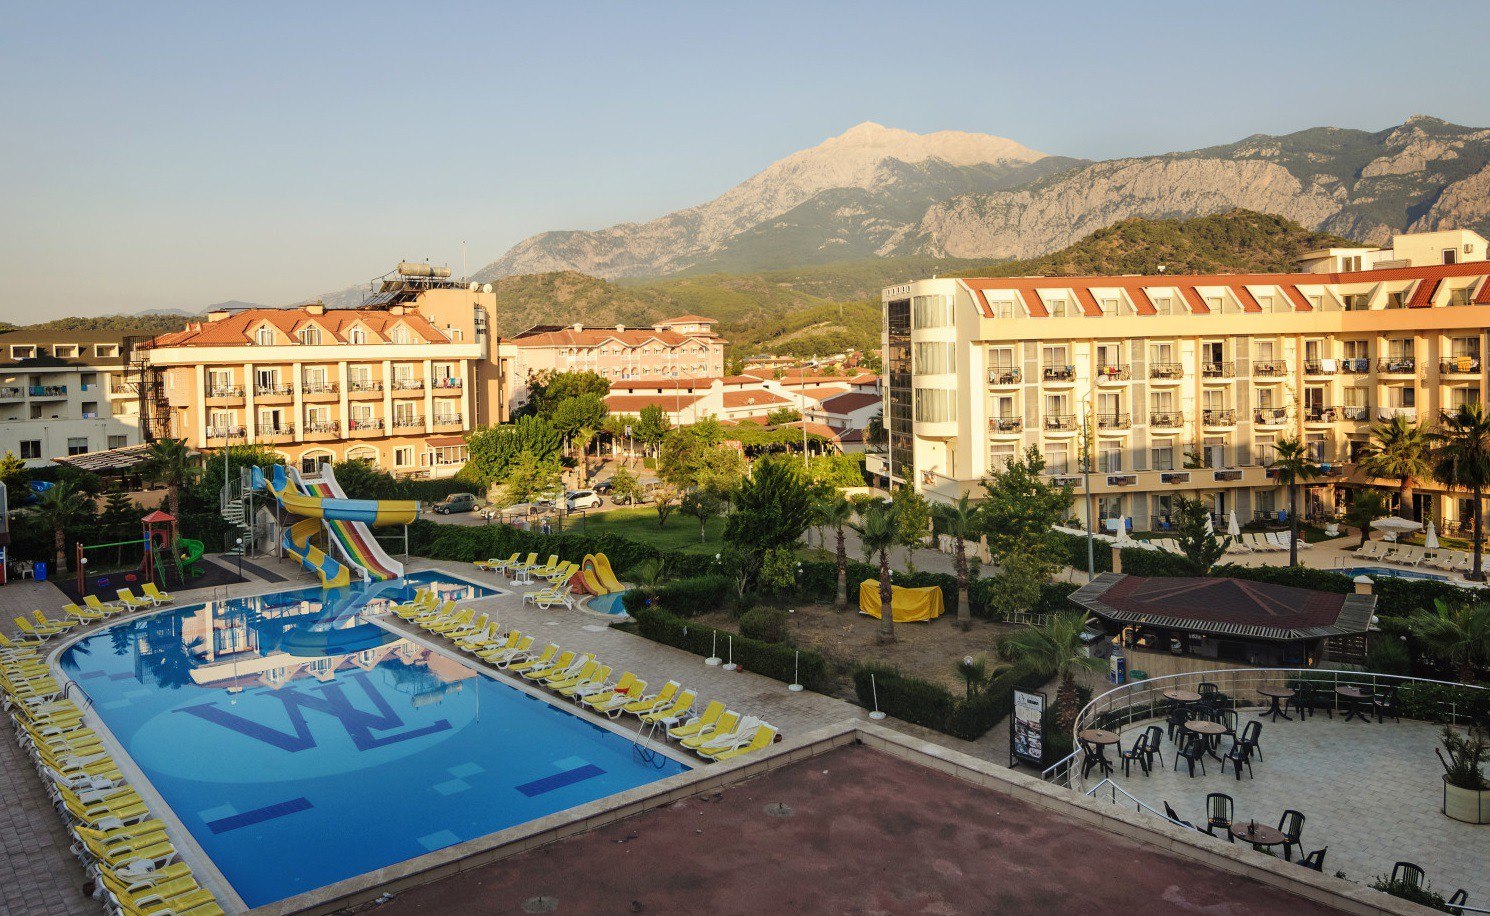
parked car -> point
(583, 499)
(456, 502)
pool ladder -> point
(642, 749)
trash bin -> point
(40, 571)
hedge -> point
(684, 598)
(468, 544)
(932, 706)
(771, 659)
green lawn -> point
(640, 524)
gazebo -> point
(1233, 620)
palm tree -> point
(172, 463)
(1460, 454)
(1366, 506)
(581, 441)
(59, 507)
(1459, 635)
(1292, 465)
(834, 511)
(1398, 450)
(879, 531)
(960, 520)
(1054, 649)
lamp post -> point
(1086, 472)
(239, 545)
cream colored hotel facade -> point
(1182, 384)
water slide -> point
(321, 502)
(190, 551)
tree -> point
(360, 479)
(913, 513)
(879, 530)
(783, 415)
(693, 459)
(547, 390)
(773, 506)
(874, 430)
(703, 504)
(493, 449)
(1398, 450)
(581, 441)
(172, 463)
(1016, 588)
(843, 470)
(1460, 454)
(1197, 535)
(1022, 509)
(835, 512)
(1054, 649)
(14, 475)
(58, 508)
(624, 486)
(666, 496)
(651, 427)
(205, 492)
(1366, 506)
(528, 477)
(960, 521)
(120, 517)
(1292, 466)
(1459, 635)
(571, 415)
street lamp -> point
(1086, 471)
(239, 545)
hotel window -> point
(1109, 456)
(264, 336)
(1213, 452)
(218, 380)
(357, 337)
(315, 378)
(318, 419)
(310, 336)
(1058, 308)
(1396, 299)
(1162, 353)
(1000, 455)
(1264, 449)
(77, 445)
(118, 441)
(1001, 308)
(1316, 302)
(220, 420)
(1108, 306)
(401, 335)
(22, 352)
(30, 449)
(1451, 256)
(935, 358)
(1460, 296)
(1214, 303)
(1058, 459)
(1001, 358)
(1109, 507)
(935, 405)
(405, 414)
(931, 311)
(403, 456)
(1162, 455)
(359, 378)
(1358, 302)
(1315, 443)
(1163, 305)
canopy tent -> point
(909, 604)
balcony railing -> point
(322, 427)
(260, 390)
(1357, 365)
(225, 432)
(320, 388)
(1006, 424)
(1409, 414)
(1218, 417)
(1059, 373)
(10, 392)
(1358, 412)
(1448, 413)
(1397, 365)
(1060, 421)
(408, 384)
(1321, 414)
(446, 383)
(1217, 370)
(1003, 375)
(1167, 419)
(1166, 370)
(448, 419)
(277, 431)
(1228, 474)
(1270, 416)
(225, 391)
(1114, 420)
(1174, 477)
(408, 422)
(1317, 367)
(49, 391)
(1122, 480)
(1270, 369)
(1460, 365)
(362, 385)
(365, 423)
(1112, 372)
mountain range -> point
(878, 192)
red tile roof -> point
(1225, 601)
(633, 403)
(239, 328)
(760, 398)
(1422, 295)
(848, 403)
(821, 393)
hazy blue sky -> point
(177, 154)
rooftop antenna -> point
(486, 288)
(463, 272)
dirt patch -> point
(928, 650)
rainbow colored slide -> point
(322, 501)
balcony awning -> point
(112, 461)
(445, 441)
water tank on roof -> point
(413, 269)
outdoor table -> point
(1100, 738)
(1181, 696)
(1356, 696)
(1259, 835)
(1276, 694)
(1208, 730)
(522, 577)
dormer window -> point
(264, 336)
(401, 335)
(357, 336)
(310, 336)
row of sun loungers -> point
(134, 865)
(716, 733)
(1248, 542)
(40, 627)
(555, 571)
(1454, 561)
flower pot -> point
(1472, 806)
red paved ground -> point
(868, 834)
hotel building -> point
(64, 393)
(1181, 385)
(398, 381)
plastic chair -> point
(1218, 812)
(1251, 732)
(1155, 740)
(1240, 753)
(1192, 752)
(1291, 825)
(1137, 752)
(1384, 700)
(1407, 873)
(1460, 897)
(1170, 813)
(1315, 859)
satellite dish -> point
(474, 286)
(486, 288)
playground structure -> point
(165, 558)
(342, 524)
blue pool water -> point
(1354, 571)
(294, 771)
(608, 604)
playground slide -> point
(297, 544)
(355, 536)
(346, 520)
(606, 576)
(190, 552)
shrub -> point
(1388, 656)
(772, 660)
(1417, 894)
(933, 706)
(767, 624)
(692, 597)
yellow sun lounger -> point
(543, 658)
(724, 725)
(502, 656)
(93, 603)
(699, 723)
(495, 564)
(657, 700)
(570, 674)
(130, 601)
(611, 705)
(155, 594)
(594, 688)
(537, 672)
(80, 614)
(28, 630)
(763, 738)
(673, 713)
(597, 675)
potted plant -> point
(1466, 791)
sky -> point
(173, 155)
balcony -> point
(1006, 424)
(1114, 420)
(1270, 416)
(411, 385)
(1122, 480)
(48, 392)
(447, 422)
(1460, 365)
(1227, 475)
(276, 433)
(1218, 417)
(1448, 413)
(1269, 369)
(1318, 367)
(407, 422)
(1059, 373)
(1113, 372)
(1003, 375)
(362, 427)
(321, 430)
(446, 385)
(1217, 370)
(364, 390)
(1397, 365)
(1059, 422)
(1166, 371)
(225, 432)
(273, 394)
(1322, 414)
(1410, 414)
(1174, 477)
(1167, 419)
(1358, 413)
(320, 391)
(10, 394)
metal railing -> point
(1166, 370)
(1059, 373)
(1316, 367)
(365, 424)
(439, 383)
(274, 390)
(225, 391)
(408, 384)
(1357, 412)
(1064, 421)
(323, 426)
(1006, 424)
(1113, 372)
(408, 422)
(10, 392)
(323, 388)
(1270, 369)
(1321, 414)
(448, 419)
(1398, 365)
(1168, 419)
(1463, 364)
(48, 391)
(277, 431)
(1003, 375)
(1217, 370)
(1218, 417)
(225, 432)
(1270, 416)
(358, 385)
(1114, 420)
(1138, 805)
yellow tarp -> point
(909, 603)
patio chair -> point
(1384, 701)
(1192, 752)
(1138, 751)
(1315, 859)
(1251, 732)
(1228, 718)
(1218, 811)
(1092, 756)
(1291, 825)
(1178, 716)
(1371, 550)
(1278, 539)
(1408, 874)
(1305, 701)
(1170, 813)
(1153, 747)
(1240, 753)
(1456, 900)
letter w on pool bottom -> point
(359, 724)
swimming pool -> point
(609, 604)
(1354, 571)
(295, 771)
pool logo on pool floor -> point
(360, 725)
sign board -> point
(1027, 728)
